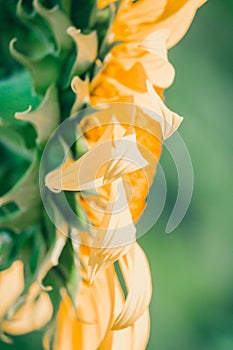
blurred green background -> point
(192, 305)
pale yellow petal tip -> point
(11, 46)
(23, 115)
(72, 31)
(93, 272)
(53, 182)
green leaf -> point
(44, 71)
(58, 23)
(14, 142)
(19, 220)
(25, 193)
(69, 272)
(38, 27)
(13, 99)
(6, 248)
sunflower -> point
(111, 56)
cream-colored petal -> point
(179, 22)
(134, 337)
(32, 315)
(11, 285)
(136, 271)
(131, 13)
(87, 49)
(52, 259)
(151, 53)
(92, 170)
(157, 67)
(81, 89)
(153, 106)
(126, 158)
(116, 233)
(95, 304)
(141, 331)
(173, 15)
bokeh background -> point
(192, 304)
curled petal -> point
(81, 89)
(136, 272)
(87, 49)
(32, 315)
(152, 55)
(153, 106)
(94, 309)
(98, 166)
(115, 234)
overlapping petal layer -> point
(105, 293)
(21, 313)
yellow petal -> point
(134, 337)
(153, 106)
(81, 89)
(151, 54)
(94, 309)
(179, 21)
(32, 315)
(13, 277)
(115, 234)
(136, 183)
(87, 49)
(136, 20)
(136, 272)
(52, 259)
(92, 170)
(104, 3)
(131, 13)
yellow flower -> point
(19, 312)
(118, 135)
(103, 318)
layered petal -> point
(32, 315)
(102, 310)
(115, 234)
(136, 272)
(147, 98)
(22, 313)
(108, 160)
(138, 19)
(86, 327)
